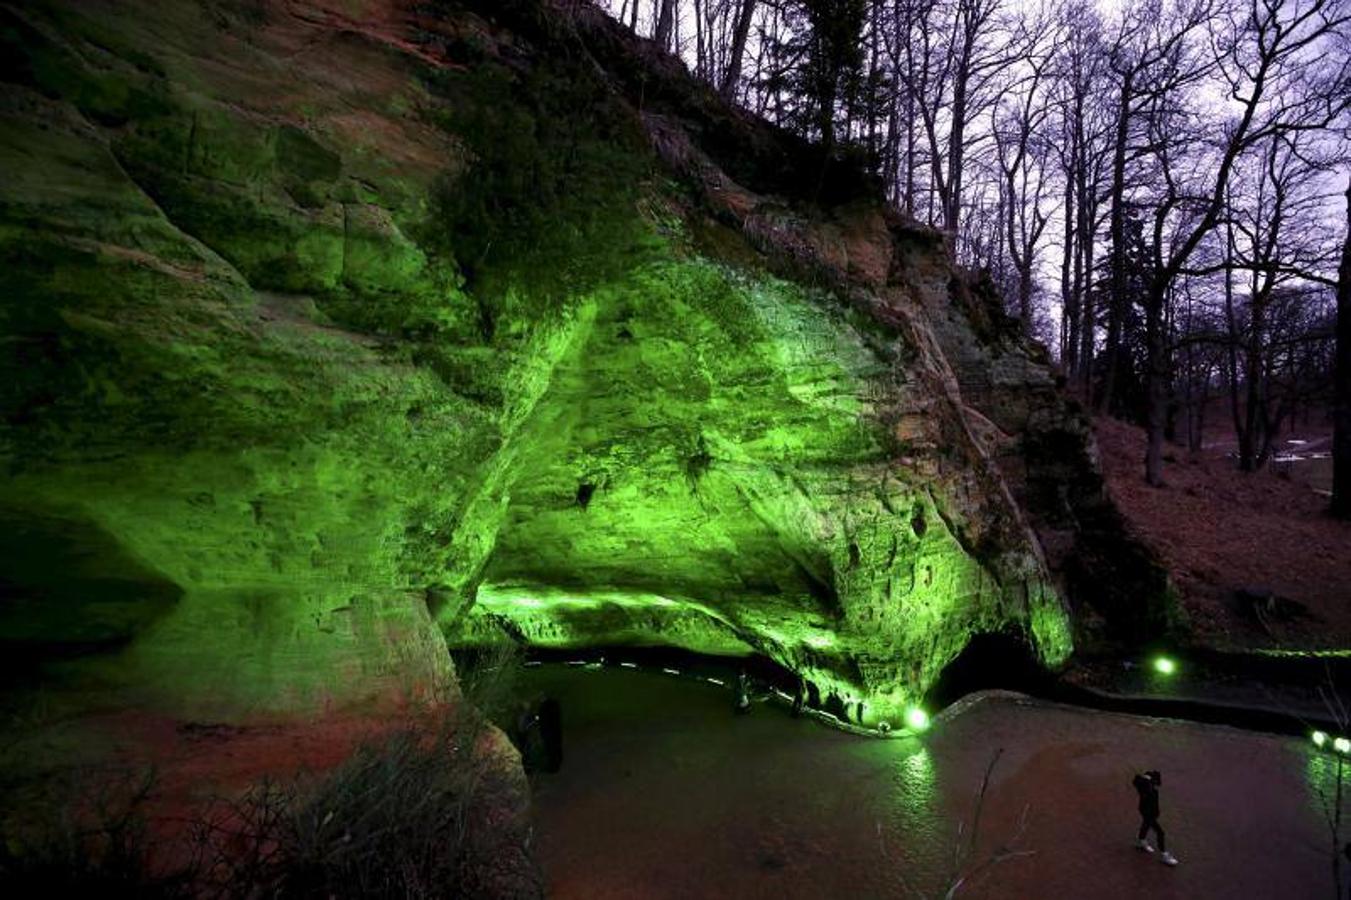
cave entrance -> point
(526, 706)
(678, 478)
(767, 674)
(996, 660)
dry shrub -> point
(417, 813)
(87, 836)
(434, 808)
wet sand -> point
(664, 793)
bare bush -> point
(86, 837)
(434, 808)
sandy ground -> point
(665, 794)
(1220, 530)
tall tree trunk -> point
(743, 29)
(701, 66)
(665, 23)
(910, 138)
(1116, 313)
(1199, 440)
(1025, 295)
(952, 203)
(1254, 386)
(1085, 228)
(1069, 300)
(1245, 449)
(1083, 277)
(1341, 437)
(1156, 383)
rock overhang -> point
(298, 356)
(715, 465)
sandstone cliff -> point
(335, 327)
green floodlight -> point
(916, 719)
(1319, 738)
(1164, 666)
(1342, 745)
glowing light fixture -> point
(1164, 666)
(1319, 738)
(916, 719)
(1342, 745)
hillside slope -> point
(1257, 560)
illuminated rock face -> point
(331, 332)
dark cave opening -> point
(996, 660)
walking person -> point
(799, 695)
(742, 693)
(1147, 786)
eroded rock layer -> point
(333, 329)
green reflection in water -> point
(912, 842)
(1322, 773)
(914, 794)
(915, 778)
(1161, 681)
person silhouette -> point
(1147, 786)
(742, 693)
(550, 718)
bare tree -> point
(665, 16)
(1085, 128)
(1341, 447)
(1141, 150)
(1022, 156)
(1267, 58)
(1275, 241)
(1154, 58)
(957, 84)
(741, 31)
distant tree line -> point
(1157, 190)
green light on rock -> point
(916, 719)
(1165, 666)
(1342, 745)
(1319, 738)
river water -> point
(665, 793)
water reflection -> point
(915, 779)
(1323, 771)
(914, 798)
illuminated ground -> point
(665, 793)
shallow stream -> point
(665, 792)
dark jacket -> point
(1149, 796)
